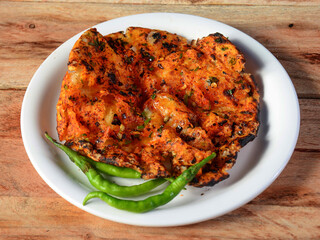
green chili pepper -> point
(103, 184)
(152, 202)
(114, 170)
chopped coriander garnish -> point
(140, 127)
(160, 129)
(187, 97)
(232, 61)
(147, 121)
(153, 96)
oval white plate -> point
(258, 164)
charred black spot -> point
(156, 36)
(109, 160)
(214, 181)
(178, 129)
(87, 65)
(69, 144)
(218, 38)
(229, 161)
(213, 56)
(163, 82)
(160, 66)
(115, 120)
(72, 98)
(217, 34)
(222, 123)
(123, 93)
(199, 54)
(188, 138)
(194, 181)
(97, 124)
(99, 80)
(194, 160)
(112, 78)
(245, 140)
(129, 59)
(169, 46)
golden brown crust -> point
(147, 100)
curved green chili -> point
(114, 170)
(103, 184)
(152, 202)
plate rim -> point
(187, 221)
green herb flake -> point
(140, 127)
(230, 92)
(127, 142)
(153, 96)
(232, 61)
(218, 40)
(187, 96)
(97, 44)
(181, 55)
(160, 129)
(147, 121)
(197, 68)
(65, 86)
(144, 114)
(224, 48)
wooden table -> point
(31, 30)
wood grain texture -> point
(31, 31)
(30, 209)
(199, 2)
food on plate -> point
(151, 101)
(108, 188)
(101, 183)
(155, 201)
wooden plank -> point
(199, 2)
(31, 31)
(30, 209)
(288, 209)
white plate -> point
(258, 164)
